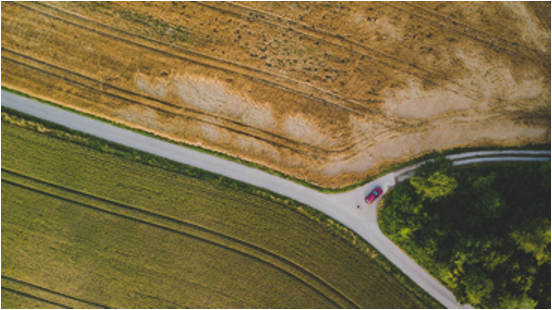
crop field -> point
(329, 93)
(88, 228)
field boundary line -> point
(35, 297)
(179, 223)
(288, 89)
(11, 281)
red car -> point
(373, 195)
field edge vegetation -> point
(29, 122)
(391, 168)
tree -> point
(485, 230)
(535, 240)
(490, 204)
(484, 183)
(479, 286)
(441, 164)
(545, 172)
(435, 186)
(517, 302)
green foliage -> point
(440, 164)
(487, 240)
(518, 302)
(432, 180)
(146, 183)
(534, 239)
(435, 186)
(545, 173)
(478, 286)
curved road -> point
(342, 207)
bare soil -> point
(328, 92)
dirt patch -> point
(416, 103)
(326, 92)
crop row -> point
(75, 233)
(205, 204)
(42, 294)
(181, 227)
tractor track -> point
(194, 57)
(485, 38)
(12, 281)
(511, 47)
(200, 116)
(35, 298)
(343, 153)
(201, 233)
(344, 43)
(196, 114)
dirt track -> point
(327, 92)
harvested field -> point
(330, 93)
(83, 228)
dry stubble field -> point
(326, 92)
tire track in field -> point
(255, 133)
(222, 122)
(353, 149)
(194, 231)
(195, 57)
(35, 297)
(29, 288)
(467, 30)
(347, 44)
(237, 251)
(399, 123)
(542, 18)
(353, 144)
(490, 40)
(363, 142)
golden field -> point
(327, 92)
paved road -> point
(341, 207)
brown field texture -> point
(83, 228)
(330, 93)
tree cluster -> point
(483, 230)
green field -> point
(88, 228)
